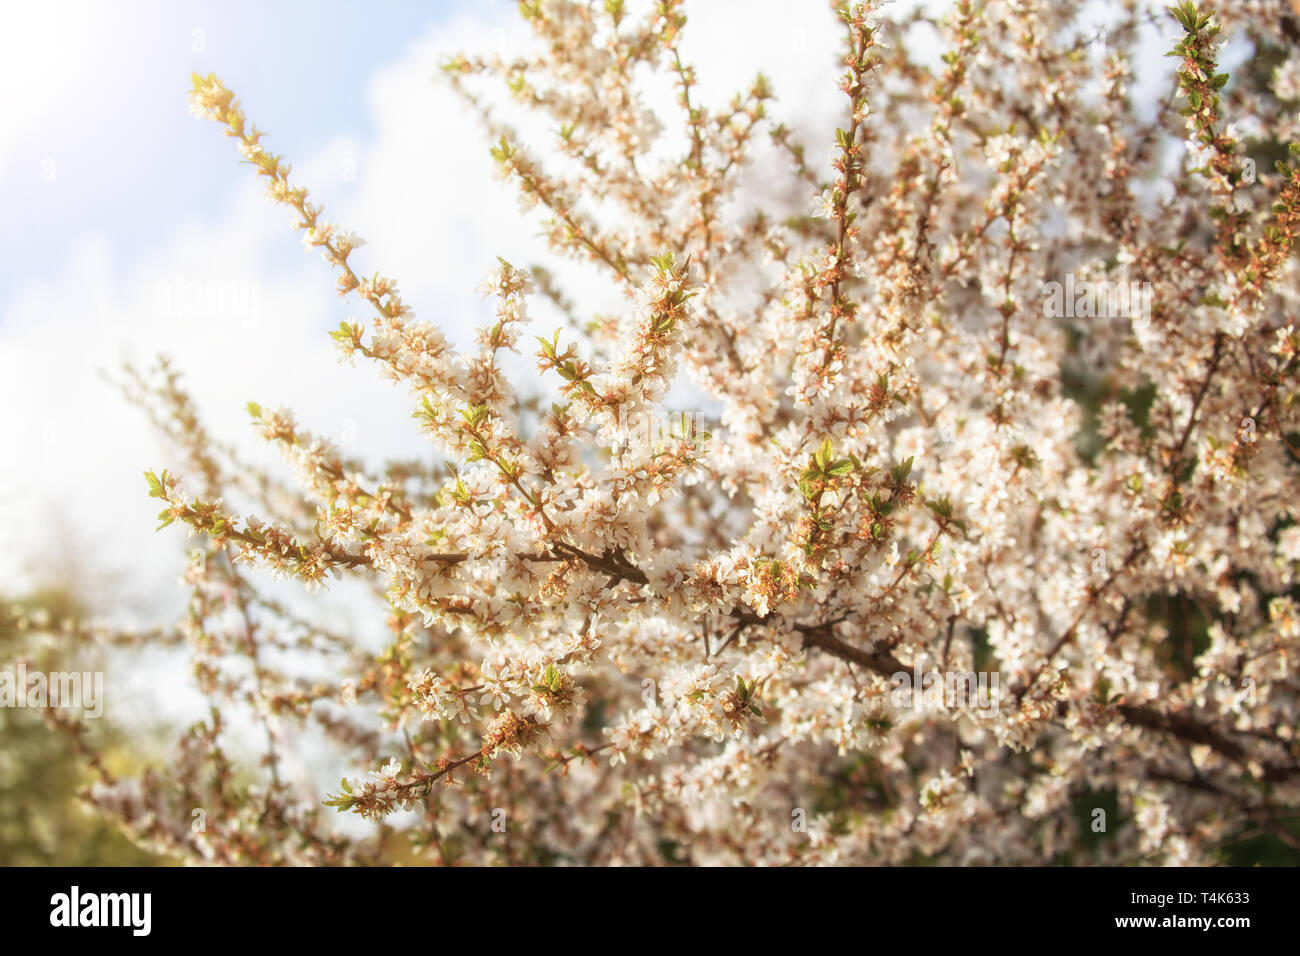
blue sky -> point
(105, 93)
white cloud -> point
(56, 51)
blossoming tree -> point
(756, 638)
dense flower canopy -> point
(980, 547)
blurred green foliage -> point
(43, 822)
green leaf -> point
(474, 415)
(155, 485)
(941, 507)
(549, 348)
(551, 679)
(900, 472)
(823, 455)
(343, 334)
(663, 262)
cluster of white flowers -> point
(914, 468)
